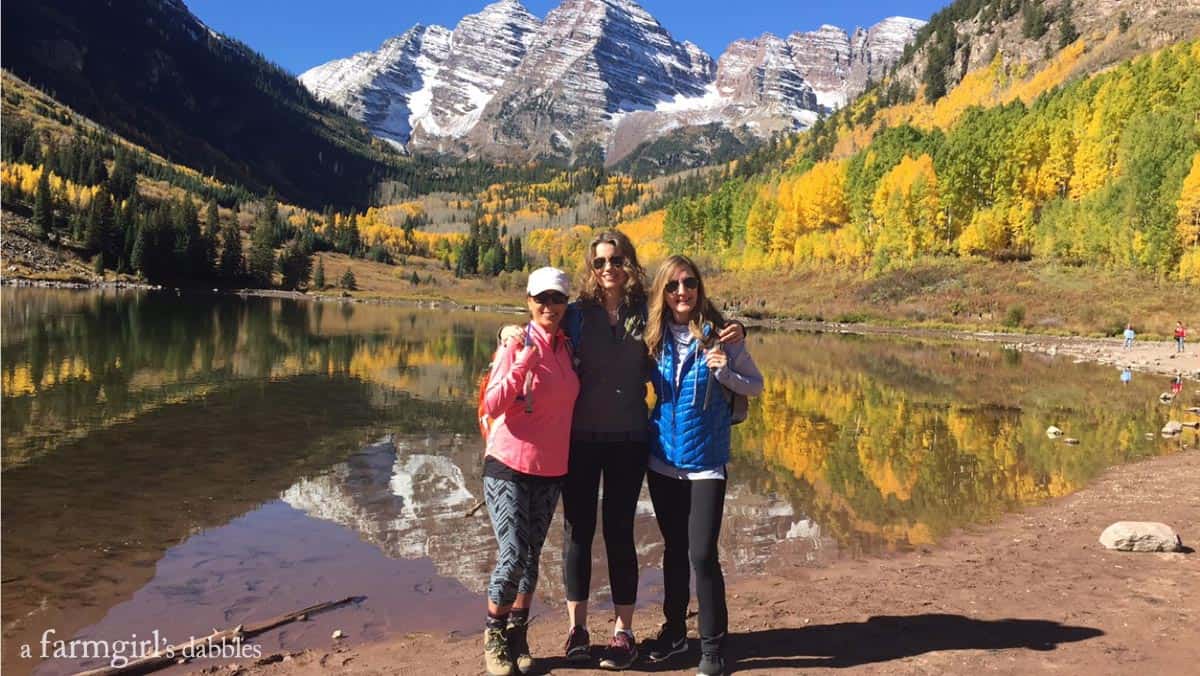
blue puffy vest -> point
(691, 421)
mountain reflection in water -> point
(148, 435)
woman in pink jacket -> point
(530, 397)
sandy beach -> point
(1035, 592)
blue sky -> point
(300, 34)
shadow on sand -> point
(884, 638)
(879, 639)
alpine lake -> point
(179, 462)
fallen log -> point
(172, 654)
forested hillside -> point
(1100, 171)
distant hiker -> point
(530, 395)
(1129, 336)
(1126, 376)
(695, 379)
(1180, 334)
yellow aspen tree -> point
(1188, 223)
(787, 220)
(908, 211)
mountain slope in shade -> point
(596, 76)
(155, 74)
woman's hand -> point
(507, 333)
(733, 332)
(715, 358)
(528, 356)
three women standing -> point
(610, 445)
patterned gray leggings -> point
(521, 511)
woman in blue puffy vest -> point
(695, 380)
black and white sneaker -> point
(671, 641)
(711, 664)
(579, 646)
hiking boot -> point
(518, 647)
(621, 651)
(671, 641)
(711, 664)
(495, 653)
(579, 645)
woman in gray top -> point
(609, 438)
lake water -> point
(178, 463)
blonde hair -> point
(705, 313)
(635, 285)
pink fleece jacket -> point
(535, 442)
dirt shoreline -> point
(1033, 592)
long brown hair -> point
(659, 314)
(635, 285)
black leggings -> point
(622, 464)
(689, 516)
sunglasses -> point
(617, 261)
(689, 283)
(550, 298)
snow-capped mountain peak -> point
(505, 83)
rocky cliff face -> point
(595, 76)
(839, 67)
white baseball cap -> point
(548, 279)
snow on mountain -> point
(592, 59)
(385, 89)
(839, 66)
(485, 48)
(602, 72)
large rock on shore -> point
(1141, 536)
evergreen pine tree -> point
(137, 260)
(319, 275)
(414, 279)
(348, 281)
(230, 266)
(295, 265)
(122, 182)
(43, 205)
(261, 261)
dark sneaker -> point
(579, 645)
(495, 653)
(518, 647)
(671, 641)
(621, 652)
(711, 665)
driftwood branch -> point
(471, 511)
(172, 654)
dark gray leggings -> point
(521, 510)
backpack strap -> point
(573, 326)
(527, 393)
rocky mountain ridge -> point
(595, 77)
